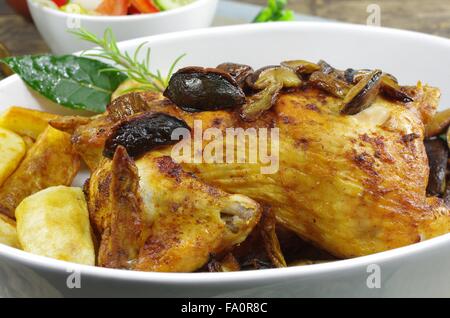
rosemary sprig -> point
(136, 70)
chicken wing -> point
(153, 216)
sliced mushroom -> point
(329, 83)
(325, 67)
(391, 89)
(262, 248)
(439, 124)
(260, 102)
(266, 77)
(362, 95)
(227, 264)
(252, 78)
(142, 133)
(238, 72)
(358, 75)
(437, 153)
(302, 67)
(201, 89)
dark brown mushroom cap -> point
(204, 89)
(142, 133)
(238, 72)
(437, 153)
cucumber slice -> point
(171, 4)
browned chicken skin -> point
(352, 185)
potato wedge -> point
(55, 223)
(29, 142)
(12, 150)
(51, 161)
(8, 232)
(26, 122)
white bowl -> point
(53, 24)
(417, 270)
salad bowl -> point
(417, 270)
(54, 25)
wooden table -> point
(429, 16)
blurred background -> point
(430, 16)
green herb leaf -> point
(274, 11)
(71, 81)
(136, 69)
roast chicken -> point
(351, 185)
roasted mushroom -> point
(237, 71)
(391, 89)
(260, 102)
(329, 83)
(439, 124)
(362, 94)
(269, 75)
(302, 67)
(437, 153)
(325, 67)
(226, 264)
(262, 248)
(195, 89)
(142, 133)
(270, 80)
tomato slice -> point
(144, 6)
(133, 10)
(60, 3)
(114, 7)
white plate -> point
(417, 270)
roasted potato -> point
(12, 150)
(29, 142)
(8, 232)
(55, 223)
(26, 122)
(51, 161)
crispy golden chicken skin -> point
(352, 185)
(153, 216)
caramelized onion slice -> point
(196, 89)
(362, 95)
